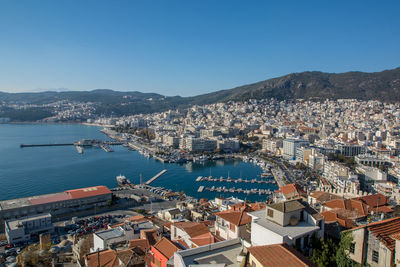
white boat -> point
(79, 149)
(122, 180)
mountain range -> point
(383, 86)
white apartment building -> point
(290, 147)
(288, 222)
(103, 239)
(200, 144)
(21, 230)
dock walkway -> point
(155, 177)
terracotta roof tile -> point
(375, 200)
(182, 243)
(279, 255)
(333, 216)
(137, 219)
(88, 192)
(383, 209)
(237, 218)
(166, 247)
(193, 229)
(322, 196)
(205, 239)
(292, 190)
(140, 243)
(108, 258)
(49, 199)
(349, 208)
(197, 230)
(384, 230)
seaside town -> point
(335, 164)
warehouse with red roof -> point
(56, 203)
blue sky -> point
(188, 47)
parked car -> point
(8, 246)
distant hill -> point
(384, 86)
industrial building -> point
(21, 230)
(56, 203)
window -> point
(375, 256)
(270, 213)
(232, 227)
(352, 248)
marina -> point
(224, 189)
(66, 170)
(230, 180)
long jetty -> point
(155, 177)
(37, 145)
(77, 143)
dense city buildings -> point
(336, 163)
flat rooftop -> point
(110, 234)
(25, 201)
(293, 231)
(13, 224)
(223, 253)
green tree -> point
(324, 253)
(342, 254)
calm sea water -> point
(39, 170)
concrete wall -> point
(98, 243)
(385, 255)
(397, 253)
(262, 236)
(288, 215)
(359, 241)
(225, 231)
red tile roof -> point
(166, 247)
(322, 196)
(182, 243)
(197, 230)
(384, 230)
(350, 208)
(143, 244)
(50, 199)
(137, 219)
(237, 218)
(88, 192)
(108, 258)
(205, 239)
(332, 216)
(292, 190)
(279, 255)
(375, 200)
